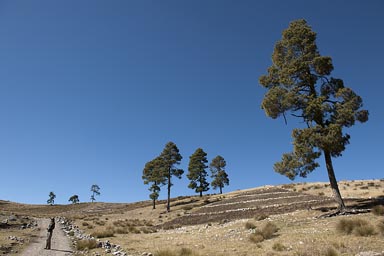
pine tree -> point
(51, 199)
(74, 199)
(299, 82)
(95, 189)
(197, 173)
(219, 175)
(154, 173)
(171, 157)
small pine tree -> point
(154, 173)
(95, 189)
(197, 173)
(74, 199)
(51, 200)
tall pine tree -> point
(219, 175)
(299, 82)
(171, 158)
(197, 173)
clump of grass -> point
(181, 252)
(378, 210)
(187, 208)
(256, 238)
(380, 227)
(267, 232)
(121, 230)
(358, 227)
(331, 252)
(81, 245)
(250, 225)
(87, 225)
(367, 230)
(99, 222)
(278, 247)
(109, 232)
(321, 194)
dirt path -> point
(60, 243)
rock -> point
(370, 253)
(12, 218)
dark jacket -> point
(51, 226)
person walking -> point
(50, 229)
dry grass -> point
(82, 245)
(137, 228)
(378, 210)
(181, 252)
(358, 227)
(267, 232)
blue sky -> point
(92, 90)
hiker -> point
(50, 229)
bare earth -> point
(60, 244)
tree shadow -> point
(358, 203)
(58, 250)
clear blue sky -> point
(92, 90)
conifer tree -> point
(95, 189)
(197, 173)
(299, 82)
(171, 158)
(153, 174)
(219, 175)
(74, 199)
(51, 200)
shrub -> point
(321, 194)
(86, 244)
(378, 210)
(250, 225)
(71, 233)
(358, 227)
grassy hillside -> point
(272, 220)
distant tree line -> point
(95, 189)
(159, 172)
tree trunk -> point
(333, 181)
(201, 193)
(169, 191)
(154, 204)
(221, 190)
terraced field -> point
(265, 201)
